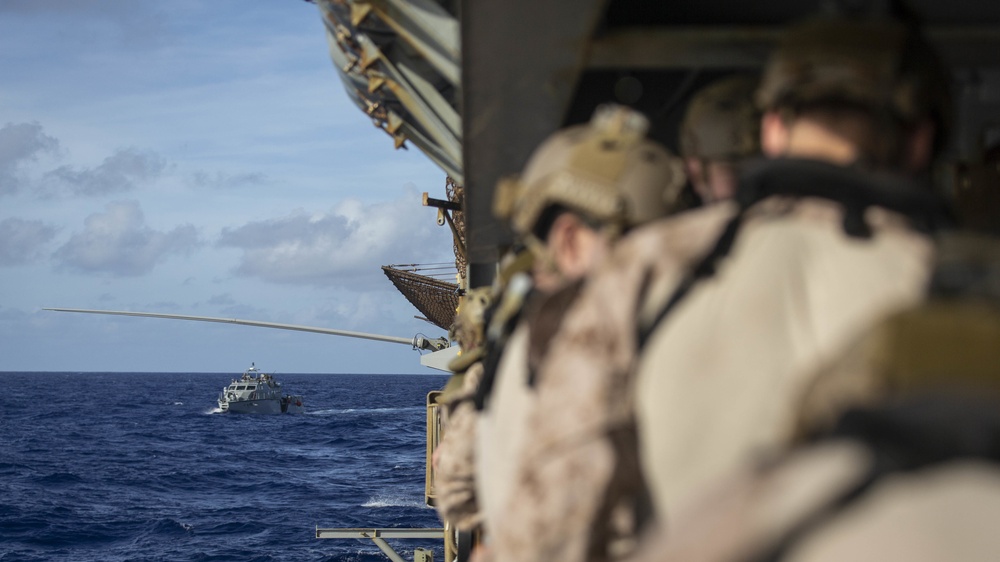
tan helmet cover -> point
(606, 170)
(722, 121)
(468, 328)
(877, 64)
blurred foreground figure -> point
(897, 450)
(700, 331)
(567, 499)
(581, 189)
(827, 238)
(719, 132)
(453, 476)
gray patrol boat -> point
(258, 393)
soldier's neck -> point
(809, 139)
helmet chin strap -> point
(544, 259)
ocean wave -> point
(59, 479)
(380, 501)
(94, 481)
(364, 411)
(170, 527)
(234, 528)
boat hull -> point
(252, 407)
(288, 405)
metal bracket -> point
(378, 536)
(443, 206)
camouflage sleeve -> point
(574, 472)
(454, 470)
(579, 473)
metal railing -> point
(378, 536)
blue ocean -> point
(143, 466)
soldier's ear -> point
(563, 241)
(574, 245)
(773, 134)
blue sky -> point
(197, 157)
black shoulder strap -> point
(705, 268)
(491, 359)
(854, 190)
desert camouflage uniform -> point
(719, 376)
(611, 178)
(454, 472)
(500, 427)
(896, 455)
(792, 511)
(454, 489)
(790, 292)
(558, 509)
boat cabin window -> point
(241, 387)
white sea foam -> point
(366, 411)
(392, 501)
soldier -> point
(455, 498)
(699, 331)
(827, 239)
(581, 189)
(895, 453)
(719, 132)
(553, 515)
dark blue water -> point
(129, 466)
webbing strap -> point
(491, 360)
(705, 268)
(852, 188)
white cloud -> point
(224, 299)
(122, 171)
(119, 242)
(21, 143)
(221, 180)
(339, 246)
(21, 241)
(247, 113)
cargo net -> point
(424, 285)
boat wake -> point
(393, 501)
(365, 411)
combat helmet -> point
(606, 170)
(722, 121)
(876, 63)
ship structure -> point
(257, 392)
(476, 86)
